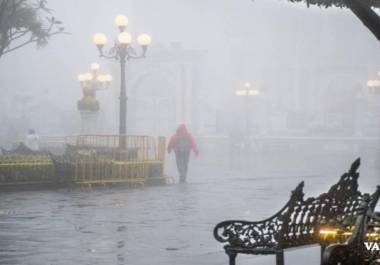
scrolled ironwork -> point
(299, 222)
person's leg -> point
(186, 158)
(180, 166)
(178, 163)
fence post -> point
(161, 148)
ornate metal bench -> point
(297, 224)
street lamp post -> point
(247, 92)
(122, 51)
(374, 85)
(94, 80)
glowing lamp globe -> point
(373, 83)
(95, 66)
(124, 38)
(101, 78)
(121, 21)
(108, 78)
(81, 78)
(239, 92)
(100, 39)
(253, 92)
(144, 40)
(88, 76)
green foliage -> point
(26, 21)
(336, 3)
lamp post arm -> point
(135, 57)
(102, 55)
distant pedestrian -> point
(182, 142)
(32, 140)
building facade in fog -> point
(163, 91)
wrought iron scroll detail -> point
(298, 221)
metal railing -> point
(17, 168)
(107, 146)
(99, 160)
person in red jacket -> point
(182, 142)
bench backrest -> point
(303, 218)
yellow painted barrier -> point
(101, 161)
(25, 168)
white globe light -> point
(100, 39)
(101, 78)
(373, 83)
(95, 66)
(88, 76)
(253, 92)
(108, 78)
(239, 92)
(81, 78)
(144, 39)
(121, 21)
(124, 38)
(247, 84)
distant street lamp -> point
(89, 105)
(122, 51)
(373, 85)
(90, 83)
(247, 92)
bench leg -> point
(232, 258)
(280, 258)
(323, 247)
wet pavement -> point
(152, 225)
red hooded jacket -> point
(182, 132)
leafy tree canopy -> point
(337, 3)
(23, 22)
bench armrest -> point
(239, 233)
(265, 233)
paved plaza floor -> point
(152, 225)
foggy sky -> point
(243, 40)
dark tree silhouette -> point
(363, 9)
(23, 22)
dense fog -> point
(310, 65)
(259, 95)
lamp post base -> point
(89, 122)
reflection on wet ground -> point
(153, 225)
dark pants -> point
(182, 159)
